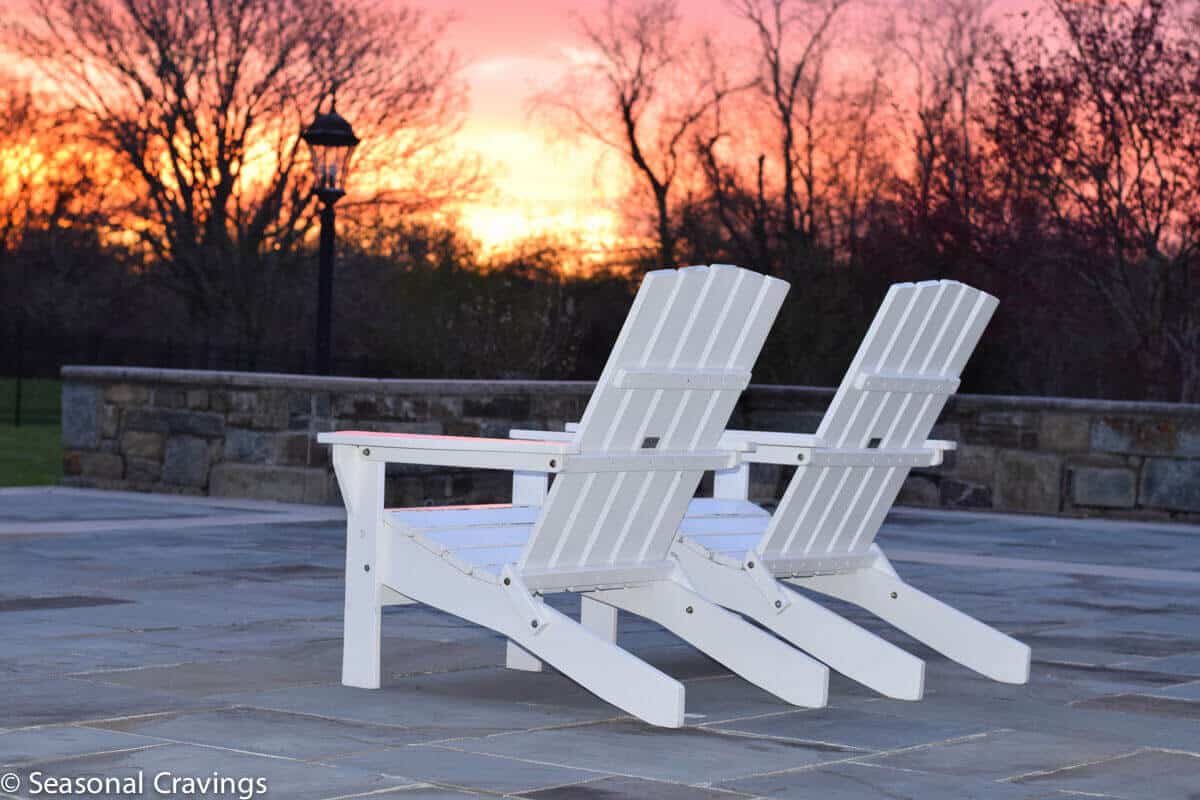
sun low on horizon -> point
(543, 185)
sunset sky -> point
(516, 48)
(543, 183)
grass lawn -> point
(30, 455)
(41, 400)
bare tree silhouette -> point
(203, 103)
(641, 90)
(793, 39)
(1106, 132)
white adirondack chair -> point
(623, 483)
(848, 474)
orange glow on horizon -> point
(573, 193)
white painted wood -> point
(952, 633)
(822, 532)
(732, 484)
(625, 478)
(753, 654)
(904, 369)
(361, 483)
(529, 488)
(424, 441)
(748, 440)
(557, 578)
(697, 319)
(902, 382)
(467, 459)
(517, 657)
(845, 647)
(601, 667)
(651, 461)
(599, 618)
(642, 378)
(547, 436)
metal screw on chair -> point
(366, 451)
(366, 567)
(533, 623)
(553, 462)
(688, 609)
(749, 565)
(508, 581)
(779, 604)
(894, 595)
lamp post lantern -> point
(331, 141)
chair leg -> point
(599, 618)
(601, 667)
(517, 657)
(753, 654)
(952, 633)
(595, 616)
(361, 483)
(847, 648)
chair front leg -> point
(361, 483)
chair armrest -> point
(765, 447)
(543, 436)
(453, 451)
(748, 440)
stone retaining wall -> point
(252, 435)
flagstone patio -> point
(190, 636)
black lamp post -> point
(331, 140)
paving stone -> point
(623, 788)
(283, 777)
(447, 766)
(693, 755)
(439, 707)
(1145, 775)
(858, 781)
(233, 634)
(1145, 704)
(62, 741)
(853, 728)
(425, 793)
(270, 732)
(1182, 691)
(49, 700)
(1182, 664)
(1001, 754)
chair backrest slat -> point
(706, 322)
(925, 331)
